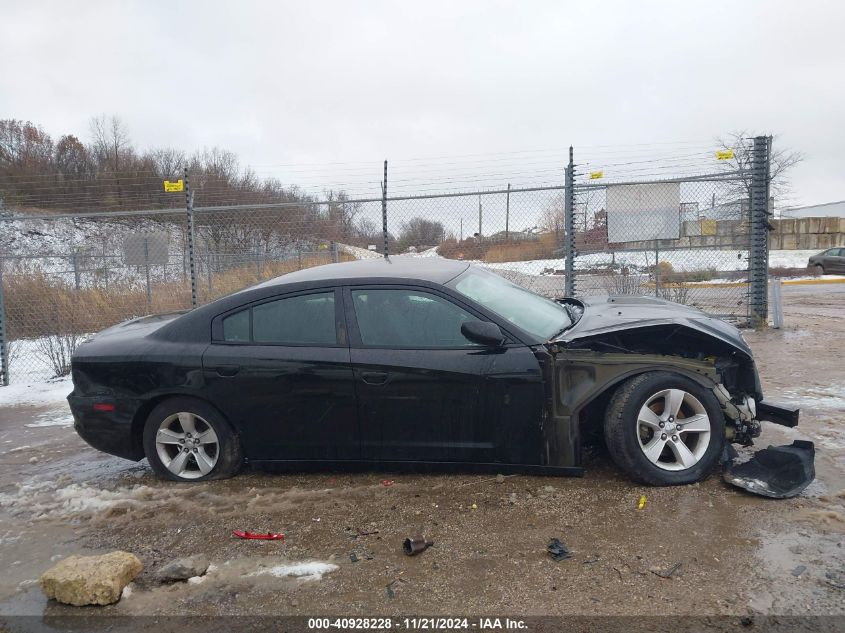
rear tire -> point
(186, 439)
(664, 429)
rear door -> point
(279, 369)
(417, 378)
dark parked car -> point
(830, 261)
(377, 363)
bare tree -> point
(420, 233)
(552, 219)
(783, 160)
(110, 140)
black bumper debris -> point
(783, 414)
(778, 472)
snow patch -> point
(304, 571)
(36, 392)
(64, 418)
(831, 397)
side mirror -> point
(483, 332)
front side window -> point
(301, 320)
(409, 319)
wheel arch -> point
(586, 400)
(143, 412)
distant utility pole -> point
(462, 230)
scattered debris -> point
(512, 498)
(183, 569)
(315, 519)
(835, 578)
(416, 545)
(557, 550)
(390, 590)
(387, 483)
(593, 559)
(367, 532)
(548, 488)
(260, 536)
(353, 557)
(641, 503)
(84, 580)
(500, 479)
(799, 570)
(778, 472)
(667, 573)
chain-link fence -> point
(689, 240)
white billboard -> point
(637, 213)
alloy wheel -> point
(673, 429)
(187, 445)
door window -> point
(301, 320)
(409, 319)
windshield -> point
(535, 314)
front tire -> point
(664, 429)
(819, 270)
(186, 439)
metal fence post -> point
(75, 262)
(4, 349)
(759, 255)
(569, 227)
(508, 212)
(777, 304)
(189, 204)
(147, 268)
(384, 208)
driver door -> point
(418, 380)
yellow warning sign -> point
(724, 154)
(595, 175)
(179, 185)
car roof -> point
(434, 269)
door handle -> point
(227, 370)
(374, 377)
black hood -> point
(626, 312)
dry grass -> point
(502, 251)
(40, 306)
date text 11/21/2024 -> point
(417, 624)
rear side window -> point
(301, 320)
(236, 326)
(409, 318)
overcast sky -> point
(320, 92)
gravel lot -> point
(739, 555)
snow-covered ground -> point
(682, 260)
(36, 390)
(685, 260)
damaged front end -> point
(620, 337)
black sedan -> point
(382, 363)
(830, 261)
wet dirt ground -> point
(738, 554)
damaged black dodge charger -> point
(425, 361)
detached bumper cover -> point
(776, 413)
(778, 472)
